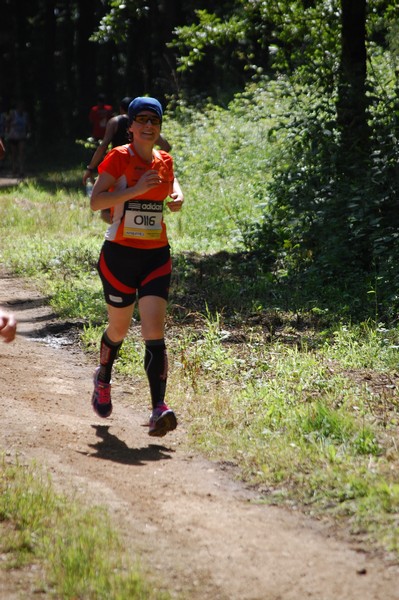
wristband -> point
(90, 169)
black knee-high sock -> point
(108, 353)
(156, 367)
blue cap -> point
(144, 103)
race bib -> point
(143, 219)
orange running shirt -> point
(138, 222)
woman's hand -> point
(8, 326)
(176, 203)
(177, 197)
(147, 181)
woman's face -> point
(146, 126)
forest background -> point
(328, 195)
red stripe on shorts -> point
(118, 285)
(160, 272)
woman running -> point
(134, 180)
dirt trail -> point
(198, 533)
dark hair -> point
(124, 103)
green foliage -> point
(329, 216)
(269, 37)
(301, 35)
(114, 25)
(323, 224)
(214, 148)
(210, 31)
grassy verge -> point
(80, 554)
(316, 428)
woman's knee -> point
(119, 322)
(117, 333)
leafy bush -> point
(326, 225)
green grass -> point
(222, 163)
(80, 553)
(304, 404)
(316, 428)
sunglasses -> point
(143, 120)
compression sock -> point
(156, 367)
(108, 353)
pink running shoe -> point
(101, 398)
(162, 420)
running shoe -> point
(162, 420)
(101, 398)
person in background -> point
(17, 132)
(8, 326)
(99, 116)
(2, 149)
(116, 134)
(135, 262)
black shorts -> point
(126, 272)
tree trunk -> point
(47, 91)
(352, 100)
(85, 63)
